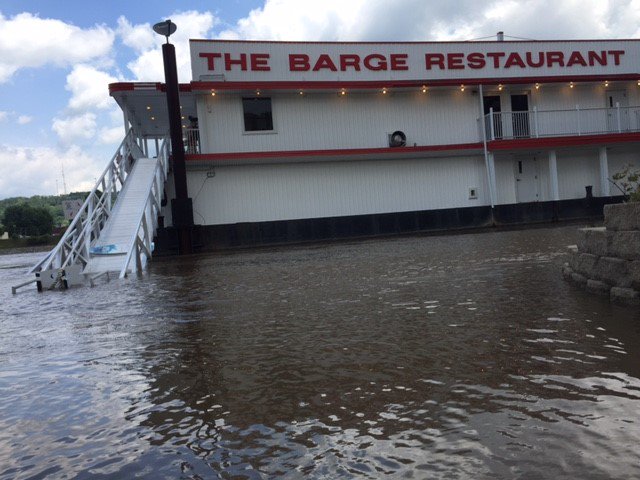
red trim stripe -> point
(556, 142)
(374, 84)
(330, 152)
(377, 84)
(131, 86)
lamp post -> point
(182, 204)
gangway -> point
(114, 229)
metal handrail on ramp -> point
(76, 250)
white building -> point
(295, 141)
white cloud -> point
(415, 20)
(30, 41)
(3, 116)
(89, 88)
(76, 127)
(139, 37)
(24, 119)
(111, 136)
(39, 168)
(148, 66)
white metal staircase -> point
(114, 229)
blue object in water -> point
(104, 249)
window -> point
(257, 114)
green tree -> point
(25, 220)
(628, 181)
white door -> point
(617, 113)
(527, 182)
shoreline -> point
(32, 249)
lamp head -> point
(165, 28)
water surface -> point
(462, 356)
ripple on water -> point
(427, 357)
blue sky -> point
(57, 58)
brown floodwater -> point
(458, 356)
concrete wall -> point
(607, 259)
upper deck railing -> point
(560, 123)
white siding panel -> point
(319, 121)
(562, 97)
(254, 193)
(505, 180)
(618, 160)
(544, 179)
(577, 170)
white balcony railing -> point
(558, 123)
(191, 139)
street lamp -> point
(182, 205)
(166, 28)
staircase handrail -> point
(76, 241)
(148, 222)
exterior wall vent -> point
(397, 139)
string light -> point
(462, 88)
(500, 87)
(384, 91)
(213, 93)
(537, 86)
(424, 88)
(571, 85)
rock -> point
(624, 244)
(622, 216)
(567, 271)
(614, 271)
(579, 279)
(634, 273)
(572, 248)
(627, 296)
(592, 240)
(596, 286)
(583, 263)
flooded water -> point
(460, 356)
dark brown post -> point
(182, 205)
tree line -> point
(34, 216)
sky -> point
(57, 58)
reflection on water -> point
(436, 357)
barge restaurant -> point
(300, 141)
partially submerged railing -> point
(75, 244)
(546, 123)
(140, 247)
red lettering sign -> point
(260, 62)
(324, 61)
(230, 62)
(380, 62)
(375, 62)
(210, 59)
(299, 62)
(399, 61)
